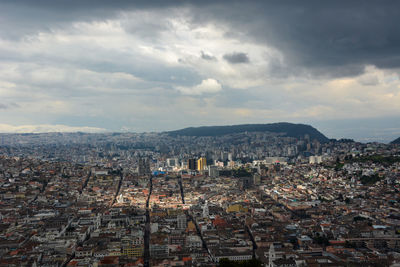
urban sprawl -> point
(125, 199)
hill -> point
(397, 141)
(289, 129)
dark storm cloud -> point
(334, 38)
(324, 38)
(24, 17)
(207, 57)
(236, 58)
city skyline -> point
(199, 133)
(165, 65)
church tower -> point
(272, 255)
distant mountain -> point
(289, 129)
(397, 141)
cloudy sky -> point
(162, 65)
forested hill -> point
(289, 129)
(397, 141)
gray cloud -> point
(26, 17)
(369, 80)
(137, 53)
(8, 106)
(334, 39)
(207, 56)
(236, 58)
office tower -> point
(192, 164)
(201, 163)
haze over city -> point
(141, 66)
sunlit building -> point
(201, 164)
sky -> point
(162, 65)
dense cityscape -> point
(158, 133)
(153, 199)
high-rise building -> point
(206, 212)
(213, 171)
(172, 162)
(144, 166)
(192, 164)
(201, 163)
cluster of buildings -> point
(336, 204)
(87, 148)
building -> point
(256, 179)
(159, 251)
(205, 210)
(192, 164)
(144, 166)
(231, 254)
(315, 159)
(201, 164)
(172, 162)
(181, 221)
(133, 251)
(271, 256)
(213, 171)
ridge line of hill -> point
(288, 129)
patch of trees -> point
(377, 159)
(369, 180)
(242, 172)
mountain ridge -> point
(289, 129)
(396, 141)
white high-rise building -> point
(206, 213)
(172, 162)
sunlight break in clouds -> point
(206, 86)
